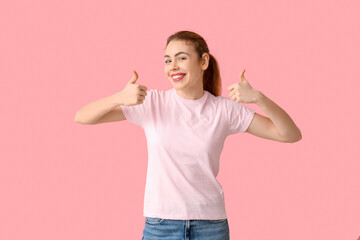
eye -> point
(179, 58)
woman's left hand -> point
(243, 92)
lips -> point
(172, 75)
(179, 78)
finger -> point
(236, 93)
(143, 87)
(143, 93)
(231, 87)
(232, 95)
(242, 77)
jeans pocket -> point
(153, 221)
(218, 220)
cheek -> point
(194, 71)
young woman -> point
(185, 128)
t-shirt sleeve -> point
(140, 114)
(239, 116)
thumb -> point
(242, 77)
(134, 77)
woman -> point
(185, 128)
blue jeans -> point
(198, 229)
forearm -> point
(283, 122)
(91, 112)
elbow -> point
(295, 139)
(77, 119)
(299, 136)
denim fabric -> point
(170, 229)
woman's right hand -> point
(132, 94)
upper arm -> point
(263, 127)
(112, 116)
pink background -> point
(63, 180)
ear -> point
(205, 61)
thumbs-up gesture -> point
(132, 94)
(243, 92)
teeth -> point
(178, 76)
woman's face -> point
(182, 58)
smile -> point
(178, 78)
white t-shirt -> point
(185, 139)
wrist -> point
(115, 100)
(259, 98)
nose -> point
(174, 65)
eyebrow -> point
(177, 54)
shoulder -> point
(220, 100)
(157, 92)
(229, 103)
(157, 95)
(230, 107)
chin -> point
(178, 86)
